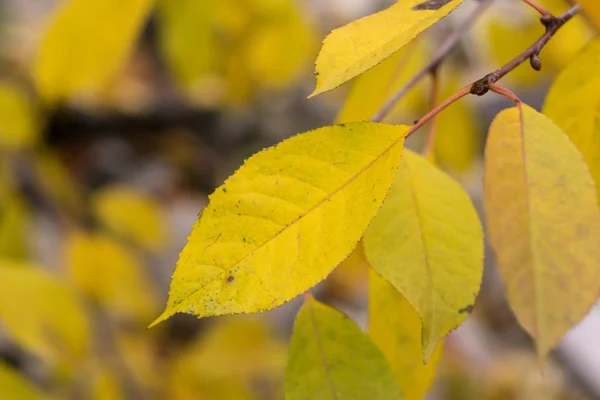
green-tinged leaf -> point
(86, 44)
(331, 359)
(352, 49)
(14, 232)
(395, 327)
(285, 219)
(573, 103)
(543, 219)
(110, 274)
(15, 387)
(41, 313)
(427, 241)
(19, 124)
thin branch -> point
(441, 54)
(553, 24)
(438, 109)
(537, 7)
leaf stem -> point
(502, 91)
(537, 7)
(552, 24)
(444, 49)
(438, 109)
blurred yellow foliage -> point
(19, 121)
(42, 314)
(15, 387)
(111, 274)
(86, 44)
(132, 214)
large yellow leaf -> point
(592, 10)
(354, 48)
(427, 241)
(573, 103)
(86, 44)
(15, 387)
(19, 125)
(331, 358)
(395, 327)
(41, 313)
(285, 219)
(543, 219)
(111, 275)
(131, 213)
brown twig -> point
(552, 24)
(438, 109)
(537, 7)
(441, 54)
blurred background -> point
(105, 165)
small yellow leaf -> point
(591, 8)
(41, 313)
(352, 49)
(543, 219)
(573, 103)
(19, 123)
(395, 327)
(15, 387)
(427, 241)
(331, 358)
(132, 214)
(86, 44)
(111, 275)
(285, 219)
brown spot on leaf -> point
(431, 5)
(230, 278)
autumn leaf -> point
(573, 103)
(427, 241)
(79, 54)
(395, 327)
(354, 48)
(42, 314)
(319, 366)
(285, 219)
(543, 219)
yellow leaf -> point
(285, 219)
(41, 313)
(352, 49)
(591, 8)
(348, 280)
(395, 327)
(15, 387)
(371, 90)
(111, 275)
(14, 232)
(132, 214)
(19, 124)
(105, 386)
(86, 44)
(331, 358)
(427, 241)
(573, 103)
(543, 219)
